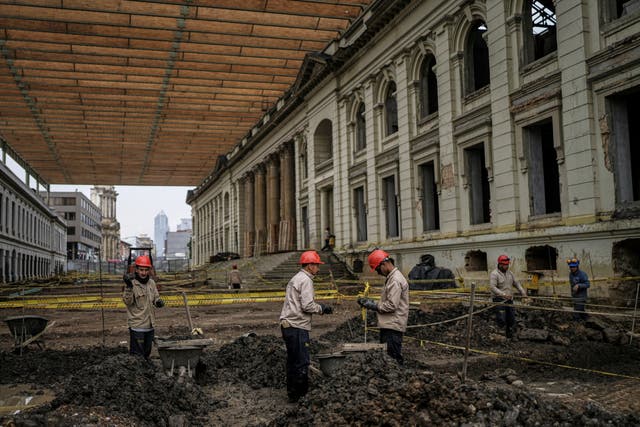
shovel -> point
(194, 331)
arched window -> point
(476, 58)
(428, 87)
(361, 129)
(391, 109)
(323, 141)
(539, 21)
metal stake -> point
(635, 311)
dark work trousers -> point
(297, 342)
(140, 342)
(505, 315)
(393, 340)
(578, 308)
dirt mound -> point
(132, 386)
(50, 367)
(258, 361)
(371, 389)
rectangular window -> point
(625, 129)
(391, 206)
(542, 165)
(360, 214)
(478, 185)
(430, 209)
(305, 226)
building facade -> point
(105, 198)
(84, 223)
(33, 238)
(461, 129)
(178, 244)
(160, 230)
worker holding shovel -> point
(295, 323)
(141, 298)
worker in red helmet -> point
(141, 298)
(502, 281)
(295, 323)
(393, 308)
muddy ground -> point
(83, 376)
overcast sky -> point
(137, 206)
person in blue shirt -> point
(579, 282)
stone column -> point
(273, 203)
(260, 209)
(287, 199)
(249, 216)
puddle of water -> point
(18, 397)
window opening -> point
(540, 29)
(391, 109)
(361, 128)
(478, 185)
(360, 214)
(430, 209)
(323, 141)
(305, 226)
(541, 258)
(625, 128)
(391, 206)
(475, 261)
(544, 174)
(477, 58)
(428, 87)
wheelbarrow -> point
(181, 355)
(27, 330)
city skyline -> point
(136, 220)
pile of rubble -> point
(371, 389)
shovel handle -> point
(186, 307)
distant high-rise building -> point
(160, 230)
(83, 218)
(185, 224)
(104, 197)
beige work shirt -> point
(393, 308)
(502, 284)
(234, 277)
(298, 301)
(140, 301)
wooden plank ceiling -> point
(148, 92)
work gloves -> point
(159, 303)
(326, 309)
(128, 279)
(367, 303)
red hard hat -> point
(143, 261)
(376, 257)
(503, 259)
(310, 257)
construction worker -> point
(502, 282)
(141, 298)
(579, 282)
(393, 309)
(235, 280)
(295, 323)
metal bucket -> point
(331, 363)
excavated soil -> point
(558, 372)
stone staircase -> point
(275, 270)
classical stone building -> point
(33, 239)
(105, 197)
(462, 129)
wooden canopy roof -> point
(122, 92)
